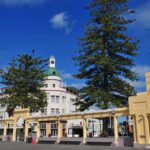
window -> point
(53, 85)
(63, 111)
(57, 99)
(63, 99)
(54, 125)
(43, 129)
(46, 85)
(57, 111)
(52, 111)
(2, 114)
(71, 99)
(45, 111)
(52, 99)
(42, 125)
(54, 128)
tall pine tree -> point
(105, 57)
(23, 79)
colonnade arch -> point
(114, 113)
(13, 120)
(139, 110)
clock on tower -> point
(52, 62)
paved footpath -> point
(24, 146)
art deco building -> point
(60, 100)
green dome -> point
(52, 72)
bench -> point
(47, 140)
(70, 142)
(99, 143)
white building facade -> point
(60, 100)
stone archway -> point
(19, 118)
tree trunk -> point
(10, 111)
(105, 127)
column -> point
(137, 130)
(134, 129)
(149, 123)
(26, 131)
(115, 131)
(48, 129)
(5, 131)
(146, 125)
(37, 131)
(84, 131)
(59, 131)
(14, 131)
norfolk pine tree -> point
(24, 79)
(105, 56)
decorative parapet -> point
(139, 104)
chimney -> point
(147, 75)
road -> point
(24, 146)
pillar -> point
(59, 135)
(146, 126)
(84, 131)
(137, 130)
(14, 131)
(37, 131)
(48, 127)
(5, 131)
(26, 131)
(115, 131)
(134, 130)
(149, 123)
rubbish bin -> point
(128, 141)
(8, 138)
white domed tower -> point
(60, 99)
(53, 79)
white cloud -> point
(77, 85)
(137, 84)
(62, 21)
(141, 70)
(21, 2)
(142, 16)
(67, 76)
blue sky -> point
(52, 28)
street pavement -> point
(24, 146)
